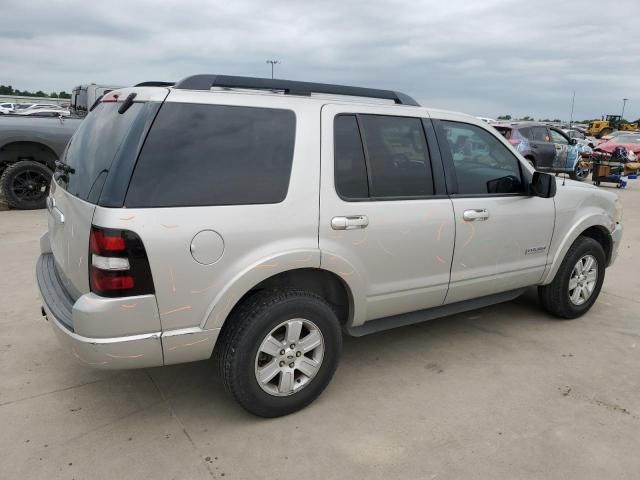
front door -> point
(503, 235)
(383, 227)
(544, 151)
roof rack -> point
(205, 82)
(155, 84)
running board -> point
(404, 319)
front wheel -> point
(25, 184)
(578, 281)
(279, 350)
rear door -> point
(544, 151)
(386, 225)
(106, 134)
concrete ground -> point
(502, 392)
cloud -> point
(484, 58)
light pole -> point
(624, 102)
(273, 63)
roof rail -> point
(155, 84)
(205, 82)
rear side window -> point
(394, 162)
(539, 134)
(350, 167)
(94, 146)
(199, 154)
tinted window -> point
(539, 134)
(94, 145)
(214, 155)
(350, 169)
(397, 156)
(482, 163)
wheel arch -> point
(592, 227)
(37, 151)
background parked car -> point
(580, 137)
(46, 112)
(630, 141)
(548, 149)
(7, 108)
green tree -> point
(504, 117)
(6, 90)
(53, 95)
(64, 94)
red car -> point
(631, 141)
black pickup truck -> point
(29, 148)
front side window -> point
(558, 138)
(483, 165)
(199, 154)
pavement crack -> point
(182, 426)
(10, 402)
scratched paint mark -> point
(126, 219)
(439, 259)
(196, 292)
(72, 231)
(463, 265)
(124, 356)
(189, 344)
(346, 274)
(176, 310)
(385, 250)
(356, 243)
(173, 280)
(129, 305)
(473, 232)
(440, 231)
(75, 354)
(165, 225)
(79, 262)
(267, 265)
(305, 259)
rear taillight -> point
(119, 266)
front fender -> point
(566, 239)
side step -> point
(404, 319)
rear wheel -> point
(279, 351)
(25, 184)
(577, 284)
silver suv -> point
(255, 220)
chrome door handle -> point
(349, 223)
(476, 214)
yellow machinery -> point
(600, 128)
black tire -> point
(248, 326)
(531, 161)
(579, 174)
(25, 184)
(555, 296)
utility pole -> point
(573, 101)
(273, 63)
(624, 102)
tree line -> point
(555, 120)
(9, 90)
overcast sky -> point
(484, 57)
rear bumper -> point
(132, 351)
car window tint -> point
(539, 134)
(483, 164)
(199, 154)
(350, 168)
(397, 156)
(558, 138)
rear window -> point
(199, 155)
(96, 143)
(504, 131)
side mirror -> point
(573, 141)
(543, 185)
